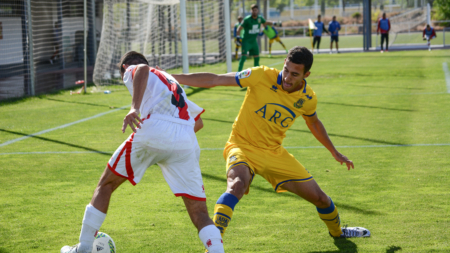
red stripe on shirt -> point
(183, 111)
(198, 116)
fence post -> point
(30, 49)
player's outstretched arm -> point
(139, 84)
(318, 130)
(207, 80)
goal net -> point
(153, 28)
(405, 22)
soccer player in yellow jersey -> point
(274, 100)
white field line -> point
(447, 75)
(60, 127)
(212, 149)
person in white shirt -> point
(163, 135)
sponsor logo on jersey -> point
(281, 115)
(233, 158)
(254, 30)
(274, 88)
(309, 97)
(299, 103)
(245, 73)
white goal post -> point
(172, 34)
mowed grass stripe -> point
(399, 192)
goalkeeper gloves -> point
(277, 23)
(238, 40)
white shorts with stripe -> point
(173, 146)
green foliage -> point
(365, 100)
(356, 15)
(443, 9)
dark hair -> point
(301, 55)
(254, 6)
(131, 58)
(319, 16)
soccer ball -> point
(103, 243)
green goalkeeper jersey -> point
(252, 27)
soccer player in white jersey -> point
(165, 136)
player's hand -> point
(132, 119)
(343, 159)
(238, 40)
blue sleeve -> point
(235, 30)
(276, 32)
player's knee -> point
(237, 187)
(322, 200)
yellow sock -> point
(330, 216)
(223, 211)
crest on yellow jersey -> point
(299, 103)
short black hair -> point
(254, 6)
(131, 58)
(301, 55)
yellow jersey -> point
(268, 111)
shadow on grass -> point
(58, 142)
(393, 249)
(385, 87)
(81, 103)
(343, 245)
(193, 91)
(368, 106)
(353, 137)
(356, 209)
(3, 250)
(330, 134)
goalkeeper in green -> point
(251, 25)
(272, 34)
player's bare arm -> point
(139, 84)
(318, 130)
(198, 125)
(207, 80)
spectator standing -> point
(318, 32)
(384, 26)
(333, 28)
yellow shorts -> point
(274, 39)
(276, 166)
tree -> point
(443, 9)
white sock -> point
(92, 221)
(210, 236)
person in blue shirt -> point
(318, 32)
(237, 41)
(384, 26)
(428, 34)
(333, 28)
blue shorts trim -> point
(311, 115)
(248, 166)
(294, 180)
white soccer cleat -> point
(354, 232)
(73, 249)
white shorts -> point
(172, 146)
(429, 38)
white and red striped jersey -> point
(163, 96)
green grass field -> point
(389, 113)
